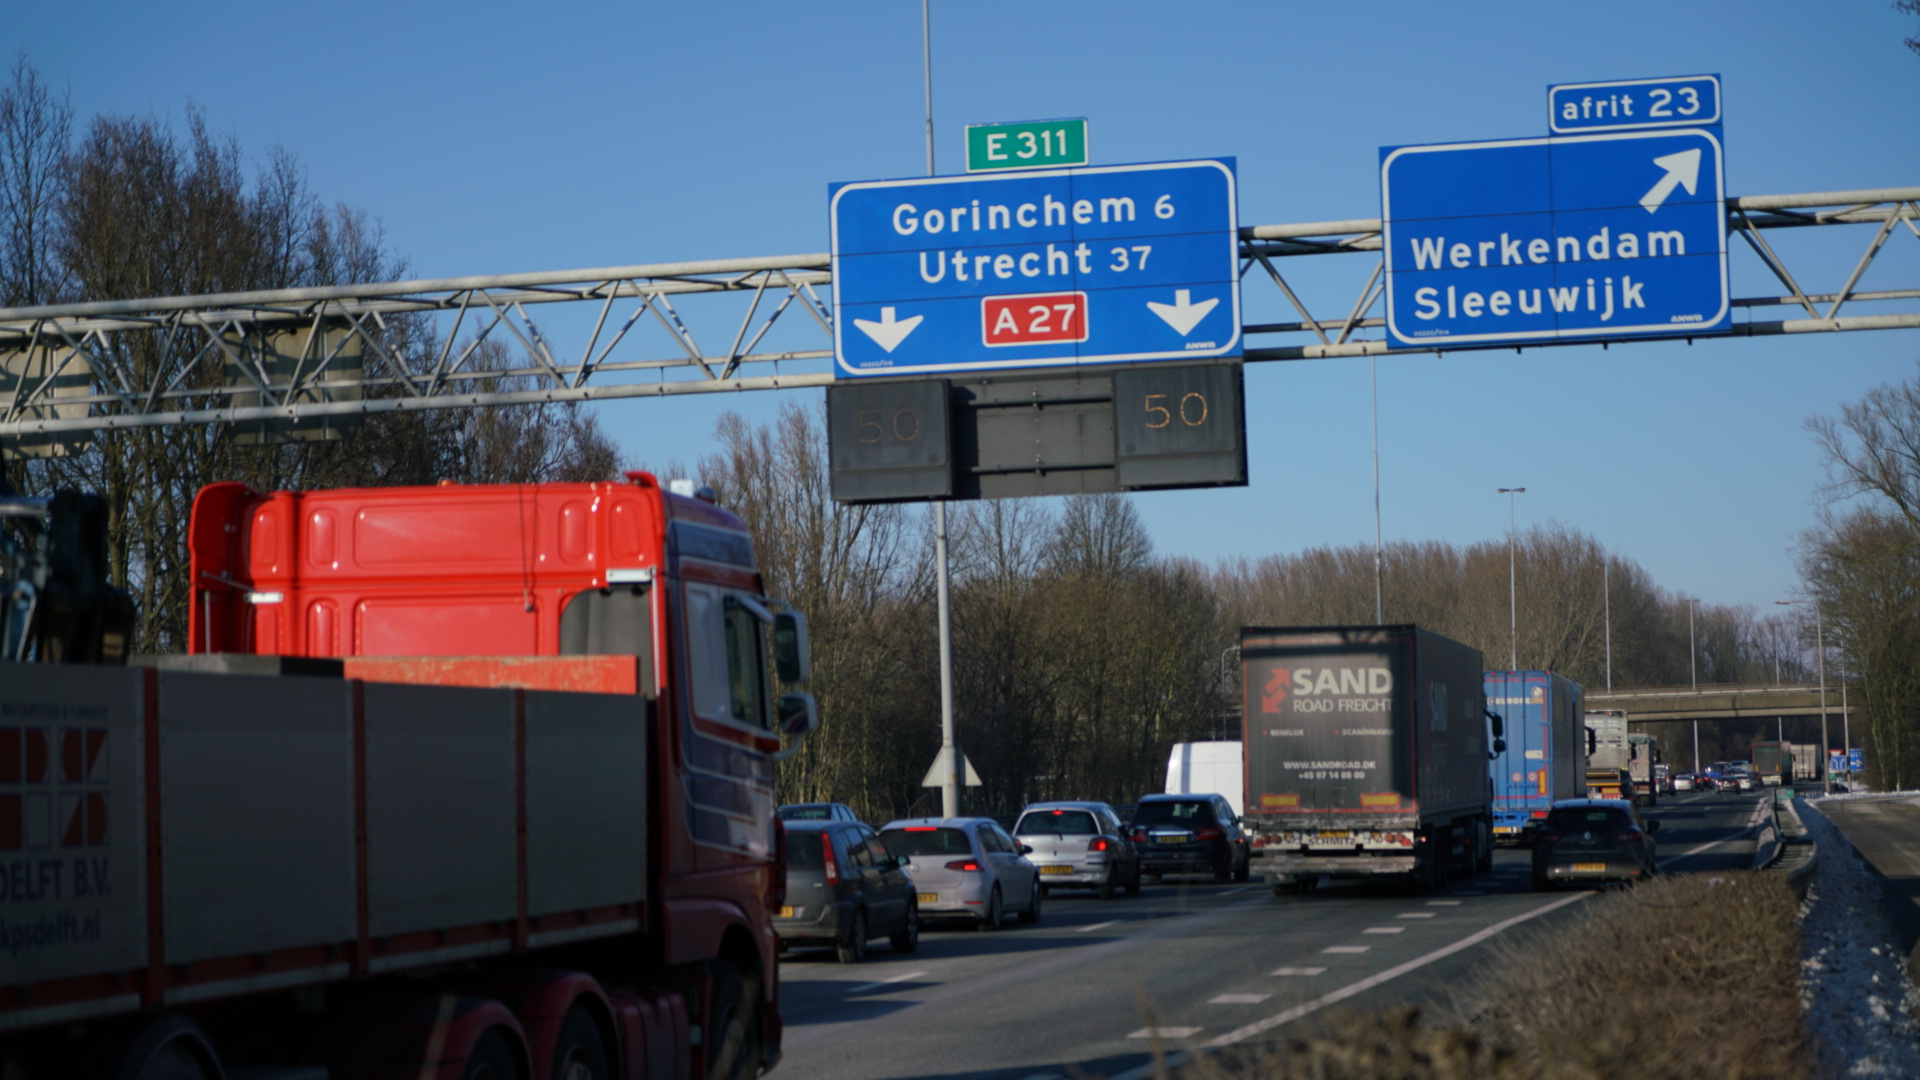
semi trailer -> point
(1366, 751)
(1543, 761)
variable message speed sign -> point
(1113, 264)
(1613, 235)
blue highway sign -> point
(1616, 235)
(1631, 104)
(1112, 264)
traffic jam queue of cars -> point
(849, 885)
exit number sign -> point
(1035, 144)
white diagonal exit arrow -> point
(887, 333)
(1683, 170)
(1183, 314)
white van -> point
(1208, 768)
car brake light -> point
(1628, 836)
(966, 865)
(1539, 815)
(826, 853)
(1098, 843)
(1210, 834)
(922, 828)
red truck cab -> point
(563, 815)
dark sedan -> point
(1593, 840)
(1189, 834)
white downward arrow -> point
(1183, 314)
(886, 333)
(1683, 170)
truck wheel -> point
(492, 1058)
(579, 1053)
(908, 939)
(169, 1048)
(731, 1033)
(1483, 855)
(854, 949)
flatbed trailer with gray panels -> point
(1366, 750)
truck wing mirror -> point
(798, 715)
(1499, 747)
(1499, 725)
(790, 656)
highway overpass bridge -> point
(1760, 701)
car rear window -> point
(806, 813)
(926, 841)
(803, 851)
(1057, 823)
(1174, 812)
(1595, 817)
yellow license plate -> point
(1056, 869)
(929, 897)
(1505, 828)
(1334, 834)
(786, 913)
(1169, 839)
(1589, 868)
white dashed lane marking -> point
(1285, 972)
(1238, 999)
(1383, 930)
(1097, 926)
(1164, 1033)
(868, 987)
(1443, 903)
(1346, 948)
(1416, 915)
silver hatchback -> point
(1079, 845)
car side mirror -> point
(798, 714)
(790, 656)
(1026, 849)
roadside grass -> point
(1684, 976)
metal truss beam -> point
(345, 350)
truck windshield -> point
(926, 841)
(1056, 823)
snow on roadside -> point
(1860, 1003)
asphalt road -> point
(1091, 988)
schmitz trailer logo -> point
(1327, 689)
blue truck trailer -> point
(1545, 758)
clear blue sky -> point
(492, 137)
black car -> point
(1189, 834)
(1593, 840)
(843, 890)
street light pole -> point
(1513, 602)
(1820, 656)
(949, 749)
(1379, 586)
(1606, 603)
(1693, 669)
